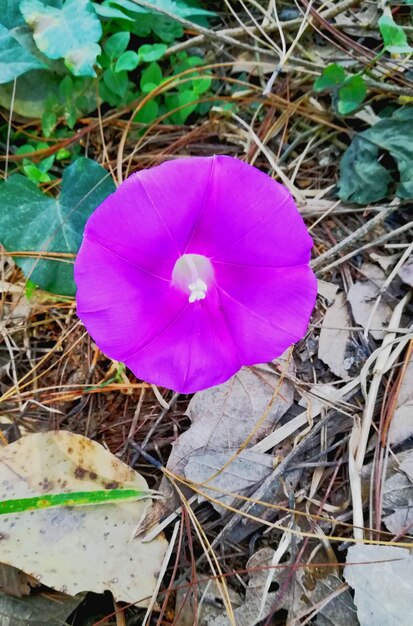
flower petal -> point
(122, 307)
(249, 218)
(262, 291)
(268, 309)
(194, 352)
(150, 217)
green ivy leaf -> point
(332, 76)
(394, 37)
(31, 93)
(179, 8)
(116, 44)
(152, 52)
(362, 178)
(128, 61)
(15, 60)
(166, 29)
(10, 14)
(106, 10)
(70, 33)
(30, 220)
(351, 94)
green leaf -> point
(109, 96)
(81, 61)
(116, 44)
(76, 498)
(186, 99)
(128, 5)
(152, 52)
(25, 149)
(32, 91)
(332, 76)
(117, 82)
(396, 136)
(66, 88)
(47, 163)
(70, 33)
(49, 121)
(394, 37)
(151, 78)
(33, 221)
(128, 61)
(201, 85)
(15, 60)
(362, 178)
(10, 14)
(351, 94)
(62, 154)
(105, 10)
(178, 8)
(34, 173)
(166, 29)
(70, 114)
(148, 113)
(29, 289)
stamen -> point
(193, 274)
(198, 290)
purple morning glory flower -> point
(194, 268)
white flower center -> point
(193, 274)
(198, 290)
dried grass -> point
(53, 376)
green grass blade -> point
(76, 498)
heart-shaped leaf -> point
(33, 221)
(394, 37)
(15, 59)
(363, 178)
(70, 33)
(351, 94)
(333, 76)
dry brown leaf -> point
(398, 486)
(223, 417)
(247, 469)
(15, 582)
(385, 261)
(303, 591)
(51, 609)
(200, 604)
(334, 337)
(397, 496)
(327, 290)
(248, 614)
(248, 62)
(382, 583)
(400, 522)
(74, 549)
(362, 297)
